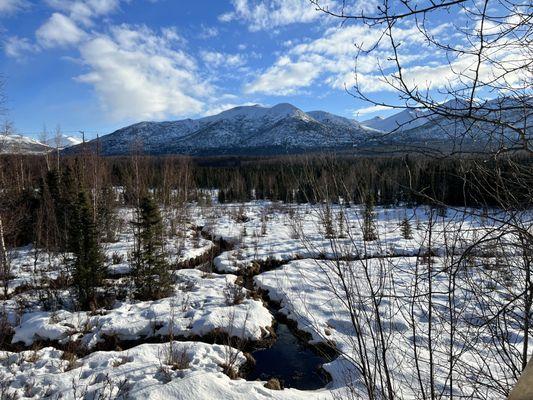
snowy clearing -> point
(333, 285)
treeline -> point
(69, 207)
(476, 182)
(38, 194)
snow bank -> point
(198, 307)
(174, 370)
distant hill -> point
(284, 128)
(18, 144)
(240, 130)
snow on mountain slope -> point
(490, 123)
(282, 127)
(458, 123)
(328, 118)
(257, 114)
(149, 136)
(406, 119)
(67, 141)
(64, 141)
(18, 144)
(279, 129)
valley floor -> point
(417, 314)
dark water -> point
(290, 361)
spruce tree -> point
(106, 214)
(369, 224)
(66, 205)
(150, 269)
(405, 229)
(327, 221)
(221, 196)
(89, 268)
(341, 216)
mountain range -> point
(240, 130)
(284, 128)
(403, 120)
(18, 144)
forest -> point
(33, 185)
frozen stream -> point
(290, 361)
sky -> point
(98, 65)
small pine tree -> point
(106, 214)
(369, 223)
(341, 217)
(221, 196)
(405, 228)
(150, 269)
(66, 205)
(89, 268)
(328, 222)
(264, 220)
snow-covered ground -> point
(197, 307)
(415, 309)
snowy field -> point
(419, 312)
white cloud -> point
(59, 31)
(369, 110)
(286, 77)
(170, 34)
(331, 58)
(12, 6)
(216, 59)
(138, 74)
(270, 14)
(17, 47)
(84, 11)
(338, 63)
(62, 28)
(207, 32)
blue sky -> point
(97, 65)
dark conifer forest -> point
(40, 198)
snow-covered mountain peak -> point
(403, 120)
(284, 110)
(258, 113)
(64, 141)
(21, 144)
(242, 128)
(326, 117)
(71, 141)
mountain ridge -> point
(238, 129)
(19, 144)
(284, 128)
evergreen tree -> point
(327, 221)
(221, 196)
(89, 268)
(369, 223)
(341, 216)
(150, 269)
(405, 229)
(106, 215)
(61, 192)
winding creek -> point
(290, 361)
(288, 358)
